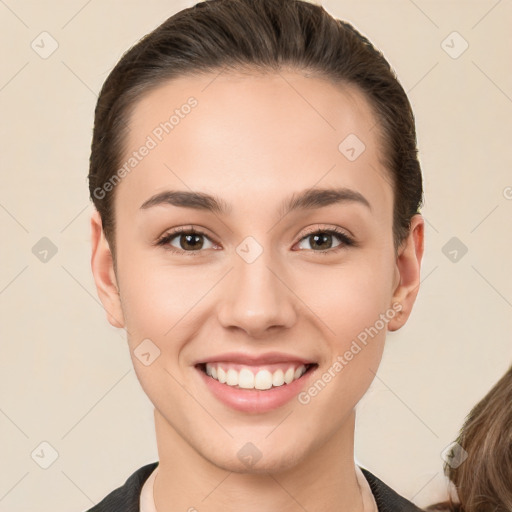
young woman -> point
(255, 175)
(482, 476)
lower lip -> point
(255, 400)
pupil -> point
(188, 239)
(324, 237)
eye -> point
(190, 241)
(322, 238)
(184, 240)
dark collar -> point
(126, 498)
(386, 498)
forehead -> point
(245, 137)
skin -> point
(253, 141)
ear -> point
(408, 265)
(103, 271)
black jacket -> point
(126, 498)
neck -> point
(323, 479)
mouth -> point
(255, 383)
(256, 378)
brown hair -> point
(263, 35)
(484, 479)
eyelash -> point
(346, 241)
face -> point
(223, 259)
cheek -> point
(156, 296)
(350, 299)
(355, 313)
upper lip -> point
(255, 359)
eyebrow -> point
(308, 199)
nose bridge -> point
(256, 297)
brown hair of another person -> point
(484, 480)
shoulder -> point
(386, 498)
(126, 498)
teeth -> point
(231, 378)
(288, 376)
(221, 375)
(278, 378)
(263, 380)
(246, 379)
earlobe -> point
(103, 272)
(408, 266)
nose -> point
(256, 298)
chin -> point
(255, 462)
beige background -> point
(66, 376)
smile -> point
(250, 377)
(255, 388)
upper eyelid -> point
(335, 231)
